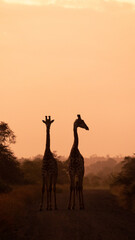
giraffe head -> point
(48, 121)
(80, 123)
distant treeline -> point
(31, 170)
(100, 172)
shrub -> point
(4, 187)
(124, 184)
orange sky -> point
(68, 59)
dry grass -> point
(123, 200)
(14, 206)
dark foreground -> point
(102, 219)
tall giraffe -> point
(49, 170)
(76, 167)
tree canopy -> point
(10, 172)
(7, 136)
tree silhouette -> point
(7, 136)
(10, 172)
(125, 180)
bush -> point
(10, 171)
(63, 177)
(32, 171)
(4, 187)
(124, 183)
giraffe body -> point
(76, 164)
(76, 167)
(49, 166)
(49, 171)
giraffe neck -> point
(47, 140)
(76, 141)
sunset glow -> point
(63, 58)
(68, 3)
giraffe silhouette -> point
(49, 170)
(76, 167)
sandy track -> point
(102, 219)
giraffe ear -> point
(52, 121)
(44, 121)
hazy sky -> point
(63, 58)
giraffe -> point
(49, 170)
(76, 167)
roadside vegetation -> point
(123, 184)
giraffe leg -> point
(73, 207)
(54, 191)
(47, 207)
(71, 191)
(42, 197)
(79, 197)
(77, 191)
(47, 186)
(70, 198)
(82, 201)
(81, 190)
(50, 194)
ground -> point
(102, 219)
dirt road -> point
(102, 219)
